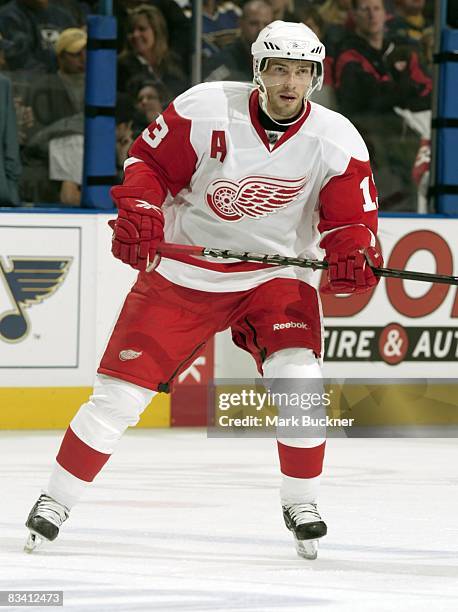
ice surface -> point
(179, 522)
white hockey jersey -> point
(224, 186)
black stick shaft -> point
(315, 264)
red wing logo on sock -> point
(253, 196)
(129, 354)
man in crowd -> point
(32, 28)
(53, 155)
(409, 21)
(374, 75)
(235, 62)
(10, 165)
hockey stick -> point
(279, 260)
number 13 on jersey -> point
(369, 204)
(158, 134)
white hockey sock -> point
(64, 487)
(93, 435)
(299, 490)
(301, 469)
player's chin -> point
(290, 108)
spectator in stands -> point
(62, 94)
(375, 75)
(284, 10)
(235, 62)
(79, 9)
(25, 118)
(53, 155)
(4, 44)
(20, 82)
(179, 26)
(409, 21)
(220, 22)
(336, 15)
(66, 154)
(147, 54)
(125, 115)
(149, 101)
(335, 12)
(310, 15)
(32, 28)
(10, 165)
(134, 114)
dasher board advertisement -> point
(402, 328)
(40, 288)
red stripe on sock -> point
(301, 462)
(79, 459)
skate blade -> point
(34, 541)
(307, 549)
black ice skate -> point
(305, 522)
(44, 521)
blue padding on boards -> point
(101, 63)
(99, 159)
(448, 154)
(100, 146)
(100, 139)
(97, 196)
(447, 138)
(447, 169)
(448, 100)
(449, 40)
(447, 204)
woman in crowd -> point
(147, 54)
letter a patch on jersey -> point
(218, 145)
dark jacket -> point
(130, 67)
(405, 29)
(233, 63)
(32, 34)
(51, 101)
(10, 165)
(368, 81)
(369, 84)
(38, 145)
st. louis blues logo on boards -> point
(253, 196)
(28, 281)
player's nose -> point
(290, 81)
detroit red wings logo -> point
(253, 196)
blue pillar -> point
(100, 128)
(446, 122)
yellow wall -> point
(396, 404)
(54, 407)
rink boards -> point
(61, 290)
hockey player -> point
(249, 168)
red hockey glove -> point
(139, 228)
(351, 272)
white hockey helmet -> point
(287, 40)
